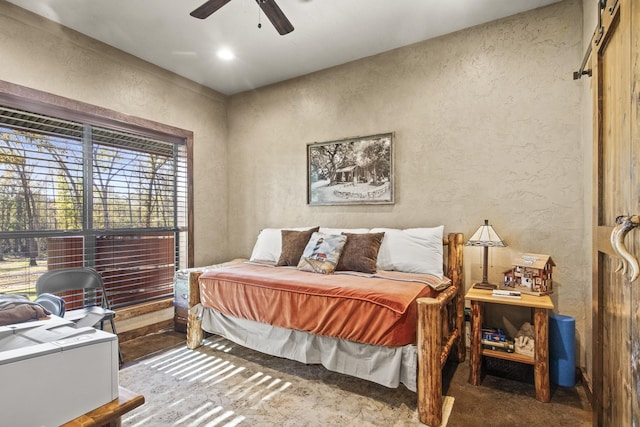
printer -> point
(52, 371)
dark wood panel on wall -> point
(133, 268)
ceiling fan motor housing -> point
(269, 7)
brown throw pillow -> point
(360, 253)
(293, 244)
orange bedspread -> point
(362, 309)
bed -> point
(387, 325)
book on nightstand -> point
(503, 293)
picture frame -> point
(351, 171)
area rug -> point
(223, 384)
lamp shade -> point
(486, 236)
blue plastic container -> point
(562, 354)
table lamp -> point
(485, 237)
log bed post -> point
(194, 319)
(195, 334)
(454, 272)
(429, 366)
(435, 339)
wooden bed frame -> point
(444, 313)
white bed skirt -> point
(388, 366)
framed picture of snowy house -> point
(351, 171)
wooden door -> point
(616, 301)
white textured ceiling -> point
(327, 32)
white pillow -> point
(414, 250)
(338, 231)
(268, 246)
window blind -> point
(77, 194)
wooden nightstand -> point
(539, 305)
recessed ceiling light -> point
(226, 54)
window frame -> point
(39, 102)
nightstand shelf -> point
(513, 357)
(539, 306)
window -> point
(80, 190)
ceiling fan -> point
(269, 7)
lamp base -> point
(484, 285)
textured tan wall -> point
(42, 55)
(487, 125)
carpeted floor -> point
(223, 384)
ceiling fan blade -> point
(275, 15)
(208, 8)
